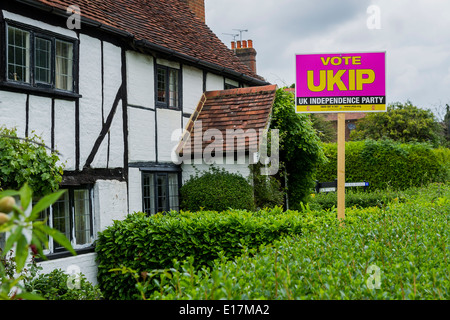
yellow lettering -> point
(322, 81)
(360, 79)
(346, 59)
(356, 60)
(351, 79)
(335, 80)
(336, 61)
(325, 62)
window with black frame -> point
(72, 216)
(39, 59)
(168, 85)
(160, 191)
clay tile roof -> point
(243, 112)
(169, 24)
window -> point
(72, 216)
(18, 55)
(40, 60)
(168, 87)
(64, 65)
(230, 84)
(160, 191)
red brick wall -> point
(198, 8)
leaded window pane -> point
(82, 216)
(61, 216)
(18, 55)
(161, 198)
(64, 65)
(173, 192)
(149, 193)
(42, 58)
(161, 85)
(173, 88)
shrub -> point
(58, 285)
(386, 163)
(145, 243)
(267, 189)
(406, 242)
(218, 190)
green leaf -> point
(58, 237)
(39, 234)
(12, 239)
(9, 193)
(25, 196)
(21, 253)
(29, 296)
(37, 242)
(44, 203)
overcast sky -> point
(414, 33)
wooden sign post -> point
(341, 166)
(340, 83)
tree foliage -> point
(402, 122)
(324, 128)
(27, 161)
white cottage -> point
(107, 90)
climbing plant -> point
(300, 147)
(28, 160)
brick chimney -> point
(197, 7)
(244, 50)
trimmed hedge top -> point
(217, 190)
(145, 243)
(386, 163)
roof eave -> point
(146, 44)
(215, 67)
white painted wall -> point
(232, 82)
(90, 87)
(85, 263)
(116, 143)
(135, 189)
(13, 111)
(192, 88)
(168, 122)
(241, 166)
(110, 202)
(40, 118)
(168, 63)
(65, 132)
(214, 82)
(141, 135)
(140, 80)
(112, 63)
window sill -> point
(163, 106)
(46, 92)
(66, 254)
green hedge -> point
(145, 243)
(386, 163)
(406, 242)
(216, 190)
(359, 199)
